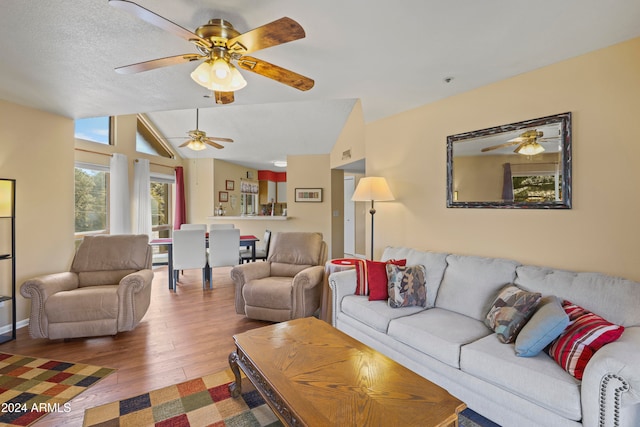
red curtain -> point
(180, 216)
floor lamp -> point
(373, 189)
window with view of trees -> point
(91, 200)
(160, 192)
(537, 188)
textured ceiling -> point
(59, 56)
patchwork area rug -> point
(32, 387)
(202, 402)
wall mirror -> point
(519, 165)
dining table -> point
(247, 240)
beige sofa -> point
(447, 341)
(107, 290)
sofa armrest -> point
(342, 283)
(134, 295)
(307, 291)
(611, 383)
(244, 273)
(39, 289)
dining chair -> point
(189, 252)
(223, 249)
(193, 227)
(261, 253)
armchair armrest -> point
(39, 289)
(611, 383)
(134, 295)
(307, 291)
(342, 283)
(244, 273)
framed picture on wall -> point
(308, 195)
(230, 185)
(223, 196)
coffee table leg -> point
(235, 388)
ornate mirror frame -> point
(482, 164)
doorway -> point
(349, 217)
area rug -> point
(203, 402)
(32, 387)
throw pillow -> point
(376, 276)
(510, 311)
(407, 286)
(585, 335)
(546, 324)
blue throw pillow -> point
(546, 324)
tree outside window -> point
(91, 200)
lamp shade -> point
(372, 188)
(6, 198)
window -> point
(536, 182)
(161, 208)
(91, 199)
(148, 141)
(537, 188)
(95, 129)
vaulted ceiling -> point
(59, 56)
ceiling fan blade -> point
(213, 144)
(215, 138)
(495, 147)
(222, 97)
(280, 31)
(184, 144)
(158, 63)
(159, 21)
(276, 73)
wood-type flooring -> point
(184, 335)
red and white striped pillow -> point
(585, 335)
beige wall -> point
(36, 149)
(351, 139)
(600, 233)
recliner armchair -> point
(106, 291)
(288, 285)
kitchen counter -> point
(251, 218)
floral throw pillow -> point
(510, 312)
(406, 285)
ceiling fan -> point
(527, 143)
(220, 45)
(198, 140)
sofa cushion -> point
(406, 285)
(613, 298)
(434, 262)
(586, 334)
(510, 311)
(376, 314)
(83, 304)
(112, 252)
(437, 333)
(546, 324)
(471, 284)
(273, 292)
(537, 379)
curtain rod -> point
(111, 155)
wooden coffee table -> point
(312, 374)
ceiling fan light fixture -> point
(280, 163)
(196, 145)
(237, 81)
(221, 72)
(202, 74)
(529, 149)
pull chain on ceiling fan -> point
(220, 44)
